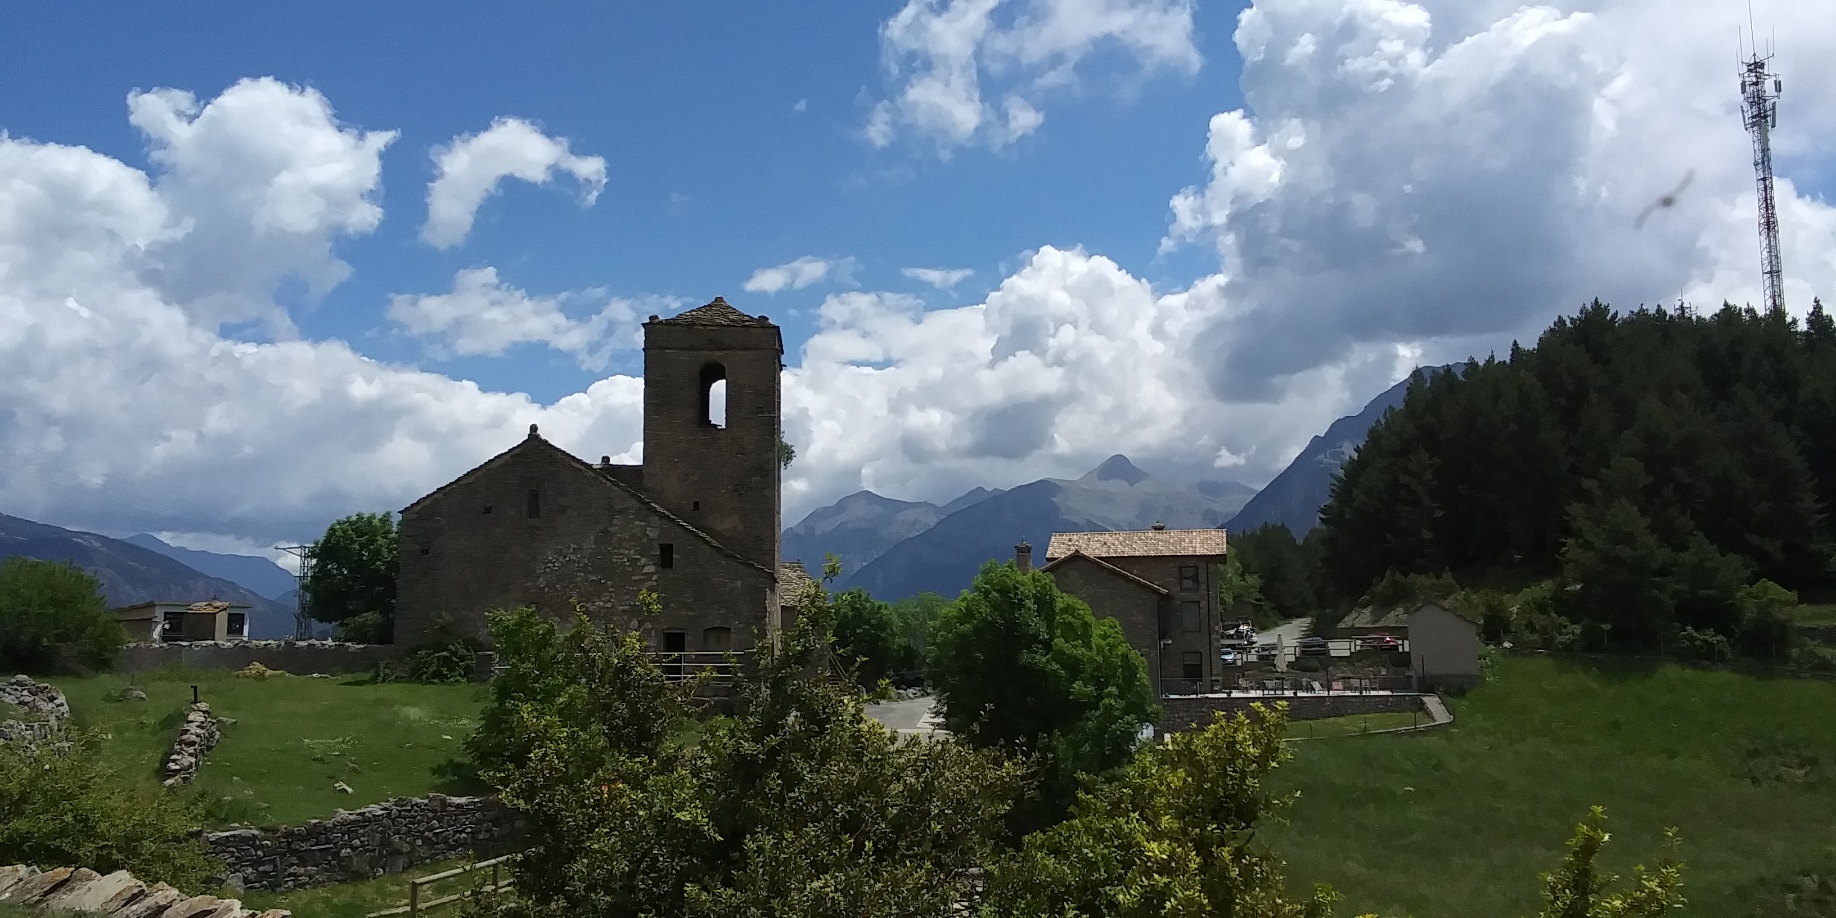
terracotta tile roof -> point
(715, 313)
(793, 583)
(1143, 543)
(1110, 568)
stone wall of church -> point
(537, 527)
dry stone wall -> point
(302, 657)
(43, 710)
(83, 891)
(380, 839)
(197, 736)
(1185, 712)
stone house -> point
(1160, 584)
(697, 522)
(212, 620)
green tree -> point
(351, 578)
(1281, 564)
(869, 631)
(1577, 888)
(59, 806)
(796, 804)
(45, 606)
(917, 614)
(1172, 836)
(1018, 666)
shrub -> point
(1702, 644)
(451, 664)
(59, 807)
(46, 607)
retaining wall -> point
(1183, 712)
(43, 705)
(379, 839)
(79, 890)
(300, 657)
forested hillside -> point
(1655, 462)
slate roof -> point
(1398, 617)
(793, 583)
(715, 313)
(1106, 566)
(1143, 543)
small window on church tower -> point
(714, 395)
(535, 503)
(666, 555)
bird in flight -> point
(1669, 200)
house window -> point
(719, 640)
(714, 395)
(1189, 578)
(1191, 618)
(666, 555)
(695, 505)
(1192, 665)
(487, 509)
(169, 625)
(238, 624)
(535, 503)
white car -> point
(1230, 657)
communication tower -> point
(1759, 108)
(302, 626)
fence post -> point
(414, 899)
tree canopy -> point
(1019, 666)
(1690, 453)
(350, 579)
(45, 606)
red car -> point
(1381, 642)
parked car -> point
(1314, 646)
(1230, 657)
(1242, 634)
(1381, 642)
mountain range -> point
(129, 573)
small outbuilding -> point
(211, 620)
(1443, 645)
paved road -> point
(914, 716)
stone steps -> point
(117, 895)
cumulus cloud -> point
(252, 188)
(470, 168)
(483, 315)
(799, 274)
(127, 409)
(946, 60)
(941, 278)
(1420, 172)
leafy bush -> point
(451, 664)
(59, 807)
(46, 607)
(1702, 645)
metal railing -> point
(1270, 682)
(721, 666)
(415, 906)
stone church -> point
(697, 522)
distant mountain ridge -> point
(1294, 497)
(258, 574)
(1115, 495)
(129, 573)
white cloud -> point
(127, 410)
(1453, 174)
(941, 278)
(472, 165)
(799, 274)
(255, 185)
(939, 54)
(482, 315)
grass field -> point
(1352, 725)
(1459, 821)
(1815, 614)
(355, 900)
(293, 740)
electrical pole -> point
(1759, 109)
(302, 626)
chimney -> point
(605, 461)
(1023, 557)
(1158, 526)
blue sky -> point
(1191, 232)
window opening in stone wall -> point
(237, 625)
(535, 503)
(1190, 618)
(1189, 578)
(1192, 665)
(666, 555)
(169, 625)
(674, 642)
(695, 505)
(718, 640)
(487, 509)
(714, 395)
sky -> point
(263, 266)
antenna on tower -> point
(302, 625)
(1759, 108)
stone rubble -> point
(44, 706)
(197, 736)
(117, 895)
